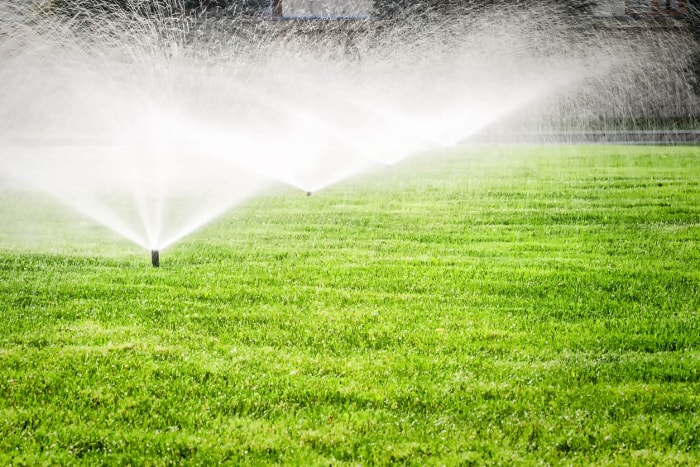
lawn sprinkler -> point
(308, 193)
(155, 258)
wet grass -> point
(495, 305)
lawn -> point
(483, 305)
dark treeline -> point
(396, 8)
(384, 9)
(694, 20)
(388, 9)
(76, 7)
(574, 12)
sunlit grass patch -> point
(487, 305)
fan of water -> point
(154, 125)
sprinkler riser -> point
(155, 258)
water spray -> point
(311, 121)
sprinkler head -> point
(155, 258)
(308, 193)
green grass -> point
(493, 305)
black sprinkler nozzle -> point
(308, 193)
(155, 258)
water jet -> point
(155, 125)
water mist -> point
(155, 124)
